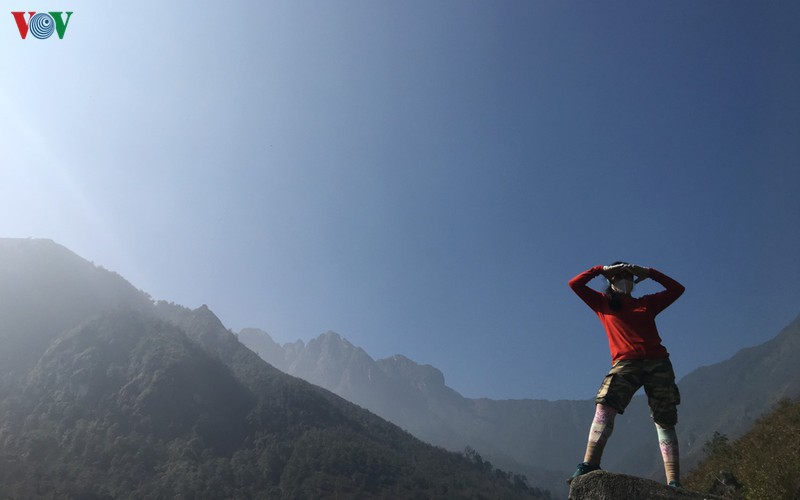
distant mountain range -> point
(105, 394)
(543, 439)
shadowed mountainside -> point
(104, 394)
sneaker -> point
(675, 484)
(583, 468)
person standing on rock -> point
(638, 359)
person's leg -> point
(615, 393)
(600, 431)
(668, 442)
(663, 397)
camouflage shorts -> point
(658, 379)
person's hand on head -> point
(641, 273)
(614, 269)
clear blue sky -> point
(421, 177)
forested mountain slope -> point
(104, 394)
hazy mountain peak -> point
(32, 245)
(425, 377)
(332, 338)
(206, 314)
(262, 344)
(46, 289)
(257, 332)
(297, 344)
(332, 345)
(399, 358)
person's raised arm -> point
(672, 290)
(579, 285)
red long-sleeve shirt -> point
(631, 331)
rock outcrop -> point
(602, 485)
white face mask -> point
(622, 286)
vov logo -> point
(42, 25)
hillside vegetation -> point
(762, 464)
(106, 395)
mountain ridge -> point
(544, 439)
(107, 394)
